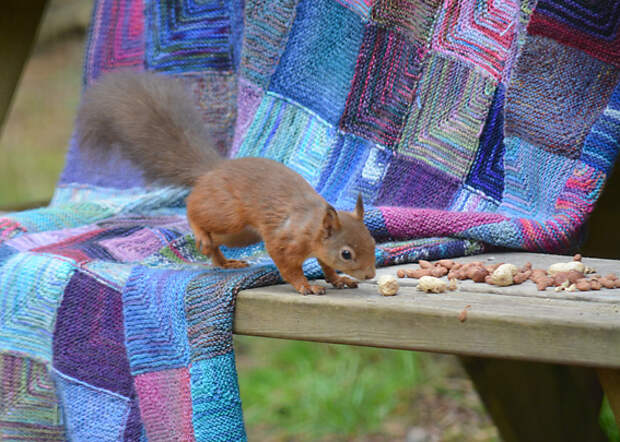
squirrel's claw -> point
(308, 289)
(343, 281)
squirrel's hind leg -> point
(206, 245)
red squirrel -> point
(233, 202)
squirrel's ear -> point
(331, 222)
(359, 207)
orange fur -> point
(233, 202)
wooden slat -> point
(505, 325)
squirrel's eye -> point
(346, 254)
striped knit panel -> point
(480, 33)
(266, 29)
(116, 38)
(534, 179)
(189, 35)
(154, 319)
(353, 166)
(601, 146)
(385, 82)
(486, 174)
(91, 413)
(556, 94)
(593, 27)
(360, 7)
(413, 183)
(320, 55)
(32, 287)
(284, 131)
(89, 338)
(166, 404)
(412, 18)
(445, 123)
(28, 405)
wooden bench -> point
(533, 356)
(536, 358)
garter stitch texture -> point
(466, 125)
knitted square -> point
(116, 38)
(91, 413)
(534, 179)
(480, 32)
(353, 166)
(28, 406)
(385, 81)
(189, 35)
(163, 418)
(413, 18)
(266, 28)
(155, 324)
(556, 95)
(446, 120)
(412, 183)
(593, 27)
(32, 286)
(360, 7)
(216, 405)
(319, 60)
(286, 132)
(89, 340)
(487, 171)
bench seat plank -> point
(513, 322)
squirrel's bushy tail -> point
(152, 120)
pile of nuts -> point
(569, 276)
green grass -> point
(307, 391)
(35, 137)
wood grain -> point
(506, 323)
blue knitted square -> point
(353, 166)
(317, 66)
(190, 35)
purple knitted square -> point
(89, 342)
(412, 183)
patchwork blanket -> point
(466, 125)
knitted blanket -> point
(466, 125)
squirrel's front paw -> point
(308, 289)
(343, 281)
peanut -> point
(583, 285)
(387, 285)
(447, 263)
(417, 273)
(566, 267)
(438, 271)
(430, 284)
(425, 264)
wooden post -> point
(610, 380)
(19, 21)
(531, 401)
